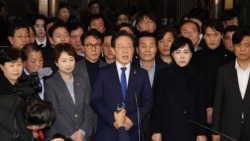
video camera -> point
(31, 80)
(28, 86)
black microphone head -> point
(120, 107)
(44, 72)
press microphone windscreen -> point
(44, 72)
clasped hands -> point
(121, 120)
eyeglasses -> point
(90, 46)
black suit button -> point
(184, 112)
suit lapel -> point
(63, 87)
(233, 73)
(116, 82)
(77, 93)
(132, 82)
(247, 93)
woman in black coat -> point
(179, 98)
(11, 65)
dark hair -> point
(214, 24)
(145, 13)
(15, 26)
(63, 5)
(181, 42)
(122, 13)
(191, 22)
(120, 34)
(230, 28)
(73, 26)
(92, 32)
(58, 135)
(39, 17)
(125, 25)
(228, 14)
(146, 34)
(63, 47)
(239, 34)
(30, 48)
(38, 112)
(198, 13)
(55, 26)
(108, 33)
(93, 2)
(9, 54)
(97, 16)
(51, 20)
(32, 28)
(163, 30)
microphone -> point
(138, 115)
(44, 72)
(120, 107)
(217, 132)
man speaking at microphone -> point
(33, 62)
(121, 82)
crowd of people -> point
(137, 81)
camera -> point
(29, 85)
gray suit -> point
(69, 116)
(81, 69)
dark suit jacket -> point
(69, 116)
(209, 61)
(48, 60)
(146, 122)
(107, 94)
(229, 105)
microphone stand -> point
(196, 123)
(138, 115)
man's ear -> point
(51, 41)
(10, 38)
(113, 50)
(137, 50)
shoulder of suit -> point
(227, 67)
(54, 77)
(230, 64)
(80, 62)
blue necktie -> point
(123, 82)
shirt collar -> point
(42, 43)
(120, 65)
(141, 65)
(237, 66)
